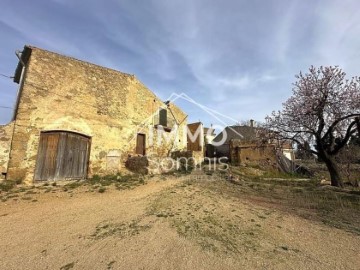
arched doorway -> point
(62, 155)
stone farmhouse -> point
(74, 119)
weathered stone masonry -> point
(62, 93)
(5, 143)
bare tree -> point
(324, 111)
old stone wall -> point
(158, 165)
(251, 153)
(258, 155)
(195, 140)
(62, 93)
(6, 132)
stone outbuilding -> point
(74, 119)
(245, 144)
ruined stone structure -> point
(251, 153)
(253, 146)
(76, 119)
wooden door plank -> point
(41, 157)
(62, 155)
(50, 157)
(140, 144)
(46, 159)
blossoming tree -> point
(324, 111)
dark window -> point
(163, 117)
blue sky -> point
(236, 57)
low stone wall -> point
(5, 142)
(179, 160)
(138, 164)
(150, 164)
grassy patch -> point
(121, 230)
(202, 222)
(277, 174)
(73, 185)
(334, 207)
(7, 185)
(121, 182)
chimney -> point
(252, 123)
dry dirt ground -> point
(187, 222)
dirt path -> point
(164, 225)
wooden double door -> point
(62, 155)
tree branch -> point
(349, 133)
(331, 128)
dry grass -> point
(198, 210)
(9, 189)
(195, 221)
(122, 230)
(321, 171)
(194, 215)
(305, 197)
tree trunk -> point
(333, 170)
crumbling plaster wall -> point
(6, 132)
(251, 153)
(62, 93)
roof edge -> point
(23, 60)
(31, 47)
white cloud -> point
(240, 83)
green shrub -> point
(73, 185)
(96, 177)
